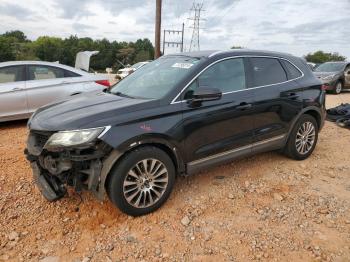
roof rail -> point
(216, 53)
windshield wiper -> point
(123, 95)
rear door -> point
(13, 99)
(46, 84)
(278, 99)
(218, 129)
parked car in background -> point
(334, 75)
(311, 65)
(180, 114)
(122, 73)
(27, 85)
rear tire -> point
(142, 181)
(303, 138)
(338, 88)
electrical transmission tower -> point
(197, 8)
(174, 43)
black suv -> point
(175, 116)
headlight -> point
(74, 137)
(330, 77)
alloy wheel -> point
(145, 183)
(338, 88)
(305, 138)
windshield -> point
(157, 78)
(330, 67)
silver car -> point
(27, 85)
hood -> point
(87, 110)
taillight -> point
(103, 82)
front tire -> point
(142, 181)
(338, 88)
(303, 138)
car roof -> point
(56, 64)
(232, 52)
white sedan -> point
(27, 85)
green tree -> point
(14, 45)
(48, 48)
(237, 47)
(322, 57)
(144, 50)
(7, 51)
(19, 35)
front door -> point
(13, 99)
(217, 130)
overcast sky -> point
(293, 26)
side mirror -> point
(206, 94)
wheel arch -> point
(119, 153)
(315, 114)
(312, 111)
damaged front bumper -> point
(83, 168)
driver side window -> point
(227, 76)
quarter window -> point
(267, 71)
(11, 74)
(68, 73)
(292, 71)
(227, 76)
(38, 72)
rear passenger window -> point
(292, 71)
(39, 72)
(267, 71)
(11, 74)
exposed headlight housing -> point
(74, 138)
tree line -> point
(14, 45)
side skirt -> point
(227, 156)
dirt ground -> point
(266, 207)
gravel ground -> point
(266, 207)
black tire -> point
(291, 147)
(338, 90)
(119, 173)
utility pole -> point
(174, 43)
(157, 29)
(197, 8)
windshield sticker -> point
(182, 65)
